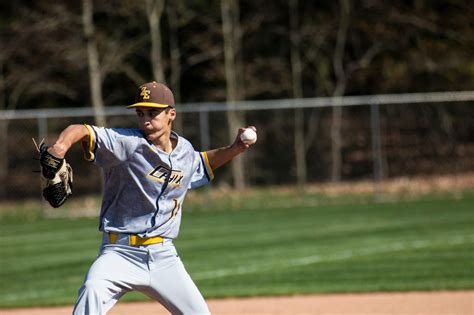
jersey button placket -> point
(163, 193)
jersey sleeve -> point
(107, 146)
(203, 173)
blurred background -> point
(362, 177)
(81, 61)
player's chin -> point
(147, 134)
(150, 137)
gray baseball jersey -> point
(144, 191)
(144, 187)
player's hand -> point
(50, 164)
(242, 141)
(56, 177)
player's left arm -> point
(220, 156)
(69, 136)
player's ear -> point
(171, 113)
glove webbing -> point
(55, 194)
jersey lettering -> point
(161, 172)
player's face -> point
(155, 122)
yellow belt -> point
(135, 240)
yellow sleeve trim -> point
(208, 164)
(88, 146)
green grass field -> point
(421, 244)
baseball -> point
(249, 136)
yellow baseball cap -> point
(153, 94)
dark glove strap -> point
(50, 164)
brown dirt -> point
(413, 303)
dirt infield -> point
(413, 303)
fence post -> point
(204, 129)
(42, 134)
(205, 141)
(42, 127)
(378, 171)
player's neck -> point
(164, 143)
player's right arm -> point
(221, 156)
(69, 136)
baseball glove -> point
(56, 177)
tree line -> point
(95, 53)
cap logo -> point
(145, 93)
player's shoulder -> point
(119, 132)
(183, 143)
(128, 132)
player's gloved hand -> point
(50, 164)
(56, 177)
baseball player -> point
(147, 172)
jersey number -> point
(175, 208)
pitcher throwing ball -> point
(147, 172)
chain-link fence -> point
(382, 136)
